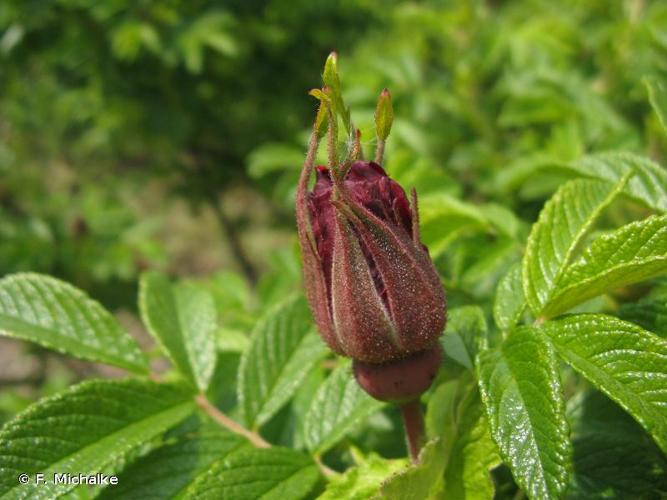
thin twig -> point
(326, 471)
(256, 440)
(228, 423)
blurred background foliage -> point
(143, 134)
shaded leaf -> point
(283, 349)
(337, 407)
(272, 473)
(471, 454)
(168, 471)
(613, 456)
(465, 334)
(649, 313)
(657, 96)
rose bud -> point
(374, 292)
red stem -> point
(413, 422)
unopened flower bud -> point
(374, 292)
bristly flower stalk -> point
(374, 292)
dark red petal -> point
(414, 293)
(362, 324)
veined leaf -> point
(168, 471)
(622, 360)
(521, 390)
(59, 316)
(337, 407)
(283, 349)
(465, 334)
(563, 222)
(271, 473)
(85, 429)
(632, 253)
(648, 184)
(650, 313)
(613, 456)
(183, 320)
(510, 301)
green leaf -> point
(650, 313)
(364, 481)
(613, 456)
(183, 320)
(562, 224)
(471, 454)
(622, 360)
(510, 301)
(56, 315)
(273, 473)
(632, 253)
(657, 96)
(648, 184)
(84, 430)
(465, 334)
(338, 406)
(384, 115)
(283, 349)
(420, 480)
(521, 390)
(168, 471)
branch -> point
(230, 424)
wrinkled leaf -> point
(272, 473)
(563, 222)
(85, 429)
(337, 407)
(183, 320)
(510, 301)
(634, 252)
(622, 360)
(521, 390)
(283, 349)
(58, 316)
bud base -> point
(400, 380)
